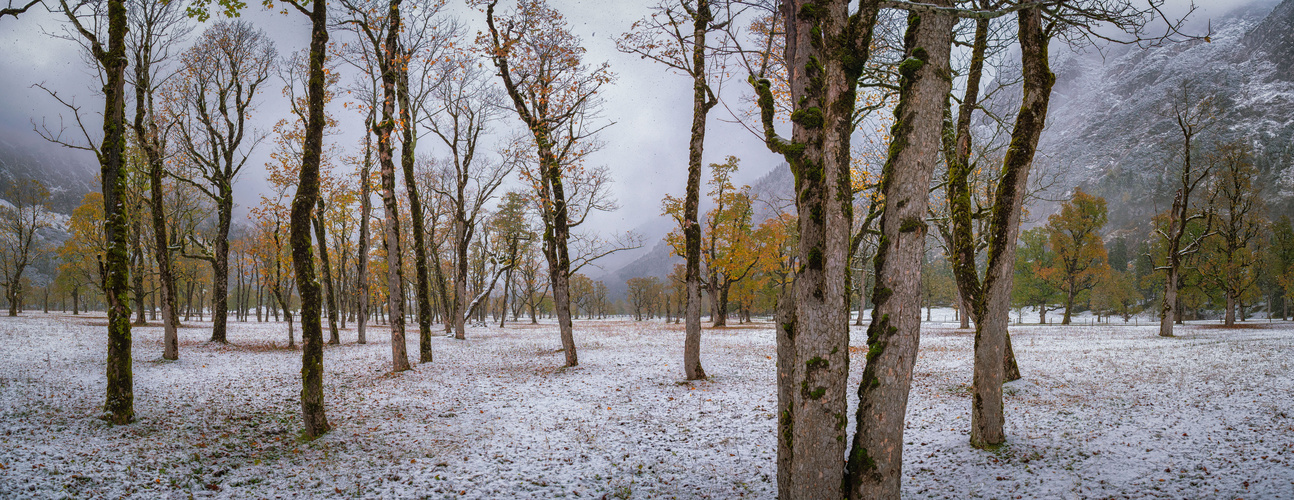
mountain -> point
(67, 174)
(1109, 131)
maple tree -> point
(1075, 237)
(555, 94)
(664, 37)
(220, 76)
(1235, 215)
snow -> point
(1103, 411)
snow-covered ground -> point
(1104, 411)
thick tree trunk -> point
(120, 405)
(303, 205)
(422, 290)
(992, 358)
(1229, 318)
(876, 458)
(692, 369)
(1168, 312)
(813, 324)
(220, 265)
(1069, 304)
(394, 263)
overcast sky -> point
(646, 148)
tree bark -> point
(422, 290)
(120, 405)
(701, 106)
(303, 205)
(992, 309)
(876, 457)
(395, 271)
(813, 328)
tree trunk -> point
(876, 458)
(1229, 319)
(395, 271)
(303, 205)
(1011, 370)
(1168, 313)
(1069, 303)
(137, 271)
(220, 266)
(119, 407)
(460, 278)
(860, 286)
(992, 358)
(334, 337)
(422, 290)
(692, 369)
(362, 247)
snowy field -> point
(1106, 411)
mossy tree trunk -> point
(407, 120)
(362, 247)
(119, 407)
(876, 457)
(988, 303)
(385, 152)
(325, 263)
(304, 205)
(825, 52)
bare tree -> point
(466, 106)
(216, 91)
(556, 95)
(664, 37)
(25, 214)
(157, 27)
(1193, 115)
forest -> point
(426, 244)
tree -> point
(420, 43)
(1116, 293)
(826, 48)
(85, 238)
(111, 58)
(727, 249)
(556, 95)
(1279, 269)
(663, 37)
(1080, 255)
(1193, 115)
(1031, 287)
(389, 62)
(512, 226)
(156, 28)
(216, 89)
(467, 107)
(20, 220)
(988, 301)
(642, 294)
(1234, 212)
